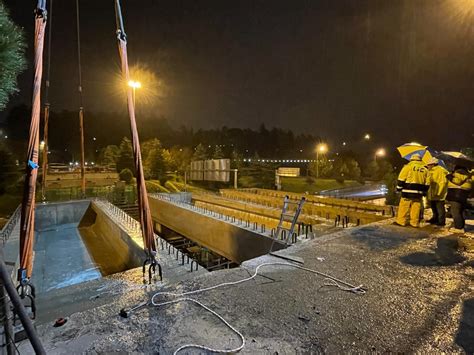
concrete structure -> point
(229, 239)
(76, 242)
(315, 207)
(327, 201)
(419, 300)
(78, 247)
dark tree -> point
(125, 159)
(9, 173)
(12, 60)
(200, 153)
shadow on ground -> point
(377, 238)
(445, 254)
(465, 335)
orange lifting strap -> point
(144, 208)
(27, 222)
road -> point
(365, 192)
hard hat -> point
(416, 157)
(433, 161)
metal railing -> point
(10, 301)
(10, 225)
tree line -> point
(107, 128)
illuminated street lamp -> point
(367, 137)
(321, 148)
(134, 85)
(379, 153)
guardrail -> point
(10, 225)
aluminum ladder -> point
(287, 215)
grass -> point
(299, 184)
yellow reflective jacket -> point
(459, 186)
(413, 180)
(438, 183)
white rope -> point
(342, 285)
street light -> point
(320, 148)
(134, 85)
(367, 137)
(379, 153)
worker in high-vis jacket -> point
(413, 183)
(459, 187)
(437, 192)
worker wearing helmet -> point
(437, 191)
(459, 188)
(413, 183)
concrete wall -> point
(108, 244)
(51, 215)
(226, 239)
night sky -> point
(401, 70)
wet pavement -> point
(420, 298)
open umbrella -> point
(407, 150)
(457, 158)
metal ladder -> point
(287, 216)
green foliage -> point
(372, 170)
(180, 158)
(218, 153)
(390, 180)
(9, 173)
(237, 160)
(171, 187)
(156, 160)
(125, 158)
(376, 170)
(200, 153)
(258, 174)
(126, 175)
(325, 168)
(12, 60)
(153, 186)
(346, 168)
(109, 156)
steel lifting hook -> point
(26, 290)
(151, 261)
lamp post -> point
(321, 148)
(379, 153)
(134, 85)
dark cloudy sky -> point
(399, 69)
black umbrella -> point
(456, 158)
